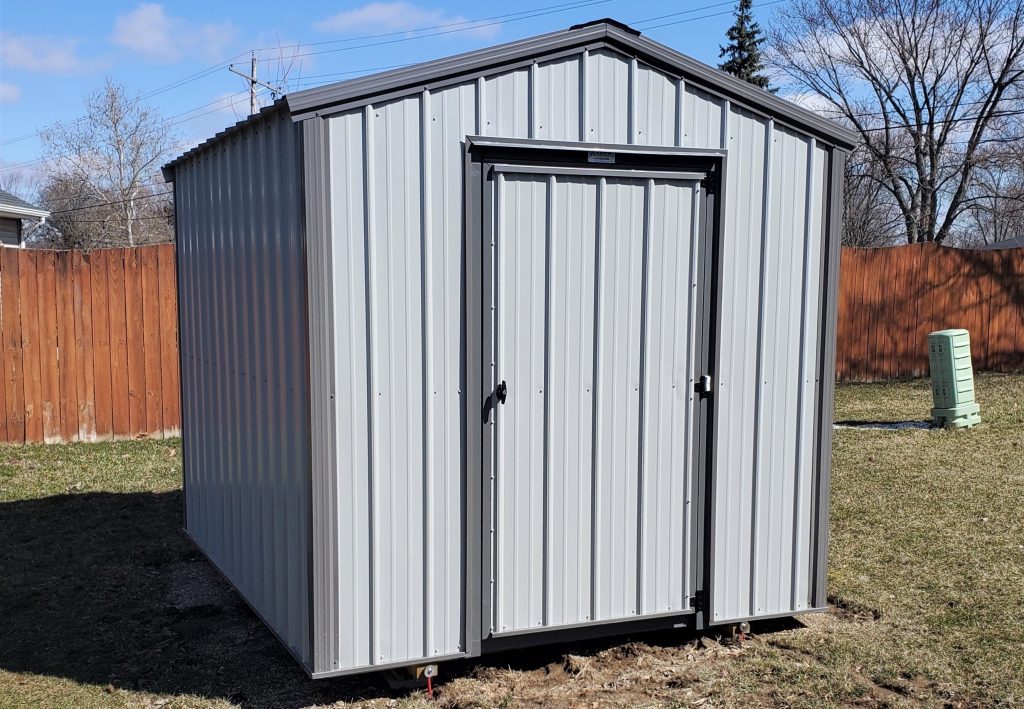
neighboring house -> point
(12, 211)
(1016, 242)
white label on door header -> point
(607, 158)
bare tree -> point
(103, 184)
(924, 82)
(20, 183)
(871, 216)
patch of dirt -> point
(195, 584)
(852, 611)
(663, 669)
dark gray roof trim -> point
(388, 85)
(333, 98)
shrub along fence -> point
(891, 298)
(89, 344)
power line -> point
(141, 97)
(463, 26)
(83, 208)
(135, 219)
(467, 24)
(702, 17)
(682, 12)
(478, 25)
(229, 98)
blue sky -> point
(52, 54)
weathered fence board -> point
(891, 298)
(89, 344)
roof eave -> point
(168, 169)
(19, 213)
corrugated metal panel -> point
(394, 267)
(595, 309)
(571, 327)
(452, 117)
(607, 100)
(702, 120)
(765, 436)
(777, 413)
(656, 96)
(244, 368)
(506, 104)
(672, 316)
(746, 186)
(558, 119)
(350, 233)
(397, 265)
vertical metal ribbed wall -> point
(395, 278)
(596, 292)
(241, 275)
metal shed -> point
(529, 343)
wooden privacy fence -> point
(89, 344)
(891, 298)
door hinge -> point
(703, 385)
(697, 600)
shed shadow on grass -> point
(105, 589)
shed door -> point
(597, 287)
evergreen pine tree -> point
(744, 49)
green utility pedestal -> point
(949, 355)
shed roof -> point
(343, 95)
(17, 208)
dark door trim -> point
(478, 367)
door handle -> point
(499, 396)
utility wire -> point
(230, 99)
(467, 24)
(155, 92)
(479, 25)
(450, 28)
(111, 203)
(702, 17)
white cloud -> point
(9, 93)
(400, 16)
(812, 102)
(44, 54)
(158, 37)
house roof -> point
(1016, 242)
(17, 208)
(343, 95)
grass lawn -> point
(103, 602)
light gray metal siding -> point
(395, 278)
(768, 383)
(596, 304)
(245, 368)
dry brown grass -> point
(104, 603)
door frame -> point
(480, 155)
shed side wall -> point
(241, 275)
(396, 186)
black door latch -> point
(499, 395)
